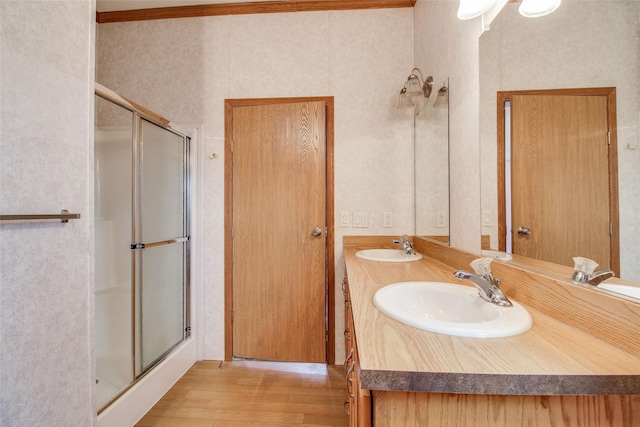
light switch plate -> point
(360, 219)
(486, 217)
(345, 219)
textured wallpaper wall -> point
(185, 68)
(46, 164)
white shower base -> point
(112, 375)
(113, 342)
(140, 398)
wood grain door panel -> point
(560, 177)
(279, 265)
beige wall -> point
(185, 68)
(46, 269)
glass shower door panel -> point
(162, 184)
(113, 285)
(162, 309)
(161, 227)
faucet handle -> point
(482, 266)
(584, 265)
(583, 269)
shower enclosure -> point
(142, 243)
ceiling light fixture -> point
(537, 8)
(470, 9)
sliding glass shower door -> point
(142, 245)
(113, 177)
(161, 243)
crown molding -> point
(247, 8)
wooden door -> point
(560, 174)
(279, 239)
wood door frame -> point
(229, 105)
(610, 93)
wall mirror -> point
(431, 156)
(591, 44)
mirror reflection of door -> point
(279, 241)
(563, 183)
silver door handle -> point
(317, 231)
(524, 230)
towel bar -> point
(63, 216)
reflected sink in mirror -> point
(450, 309)
(496, 254)
(387, 255)
(618, 288)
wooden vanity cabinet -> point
(358, 403)
(587, 381)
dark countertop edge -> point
(511, 384)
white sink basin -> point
(387, 255)
(450, 309)
(630, 291)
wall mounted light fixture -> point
(442, 97)
(414, 88)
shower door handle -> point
(160, 243)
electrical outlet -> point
(387, 220)
(441, 220)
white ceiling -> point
(115, 5)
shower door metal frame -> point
(140, 113)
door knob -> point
(317, 231)
(524, 230)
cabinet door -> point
(358, 404)
(347, 319)
(361, 402)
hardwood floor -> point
(252, 393)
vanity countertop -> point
(552, 358)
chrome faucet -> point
(583, 272)
(406, 244)
(488, 286)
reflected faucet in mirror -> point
(584, 272)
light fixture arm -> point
(413, 74)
